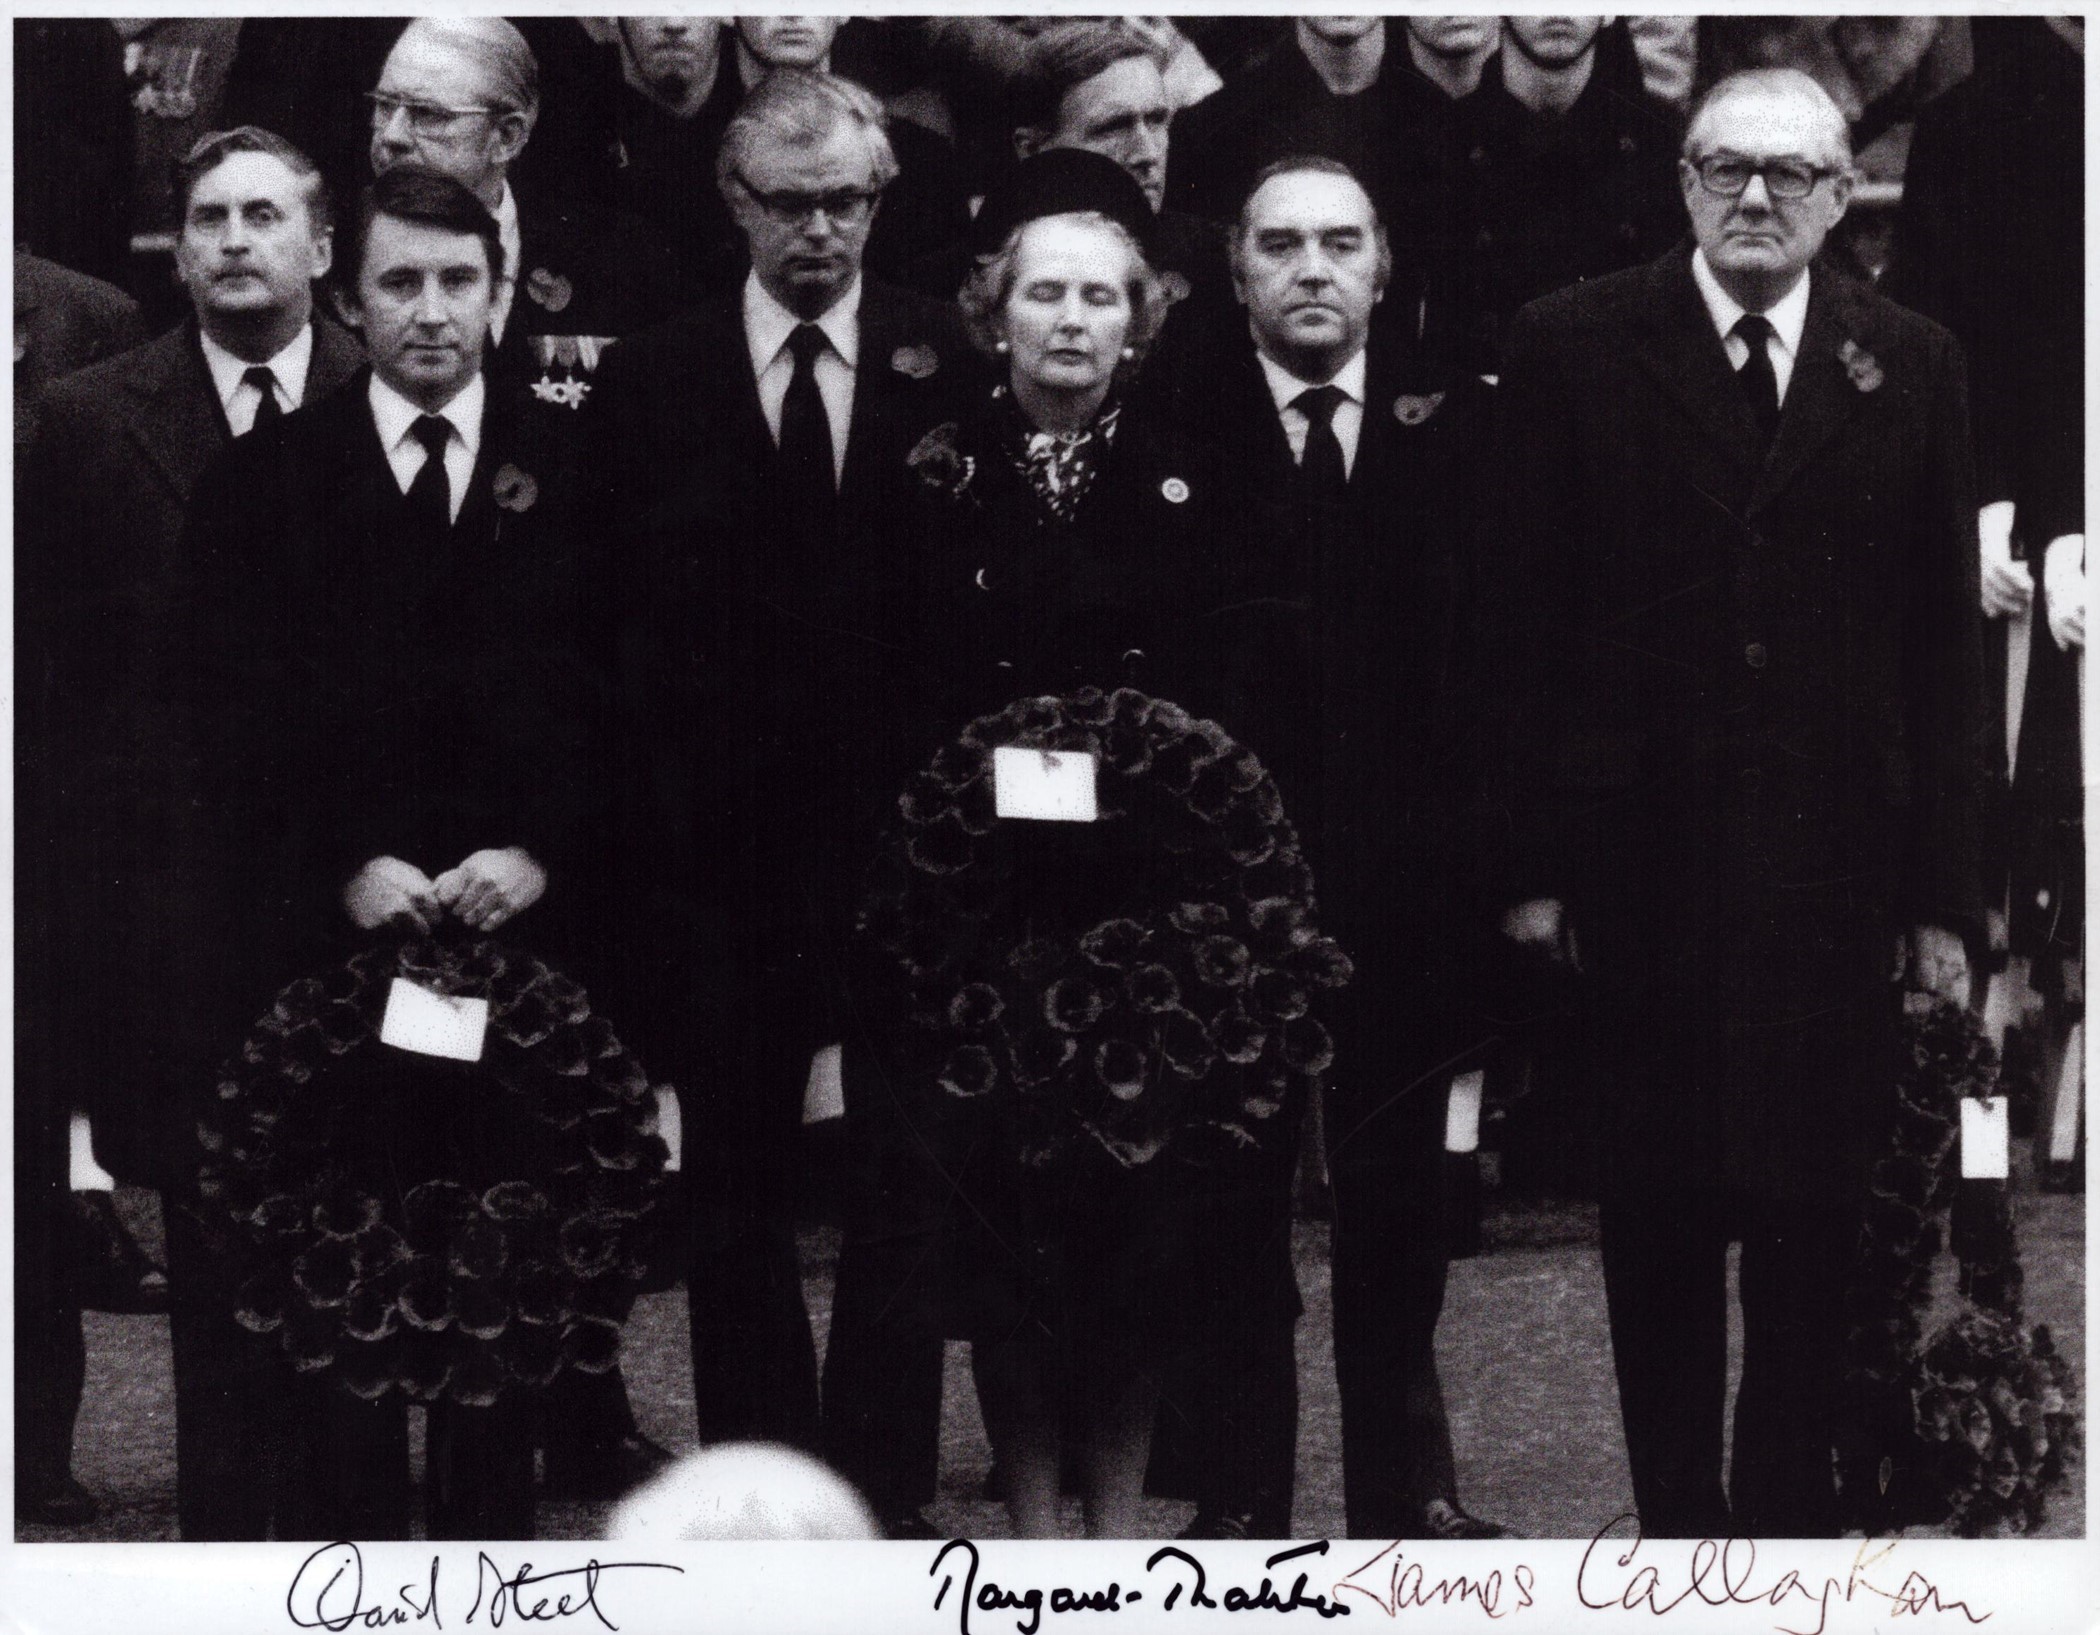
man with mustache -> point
(105, 488)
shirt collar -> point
(393, 414)
(767, 324)
(1788, 316)
(1284, 386)
(289, 366)
(508, 232)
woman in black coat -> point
(1070, 540)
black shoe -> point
(67, 1505)
(115, 1273)
(1443, 1519)
(908, 1524)
(1219, 1524)
(604, 1470)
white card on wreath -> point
(1462, 1113)
(1986, 1153)
(434, 1024)
(1047, 785)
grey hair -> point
(1780, 82)
(800, 108)
(498, 50)
(990, 285)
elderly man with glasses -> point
(460, 96)
(756, 455)
(1746, 705)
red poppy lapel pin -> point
(1860, 365)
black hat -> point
(1059, 182)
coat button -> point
(1754, 655)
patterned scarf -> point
(1059, 466)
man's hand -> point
(2008, 586)
(2063, 578)
(1541, 924)
(492, 886)
(1939, 964)
(387, 889)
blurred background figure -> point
(1991, 241)
(744, 1490)
(1571, 170)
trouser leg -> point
(1665, 1257)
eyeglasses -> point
(424, 118)
(846, 206)
(1728, 175)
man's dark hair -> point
(408, 194)
(214, 148)
(1062, 56)
(1300, 164)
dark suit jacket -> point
(1018, 602)
(366, 691)
(101, 579)
(1354, 647)
(1549, 202)
(758, 672)
(1748, 724)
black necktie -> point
(807, 485)
(1760, 384)
(264, 381)
(1322, 472)
(430, 495)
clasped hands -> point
(2008, 585)
(482, 891)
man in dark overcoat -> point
(102, 579)
(1348, 628)
(1740, 555)
(754, 456)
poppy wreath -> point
(1148, 985)
(1969, 1424)
(440, 1228)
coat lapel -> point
(1820, 397)
(1679, 347)
(175, 414)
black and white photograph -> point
(1298, 796)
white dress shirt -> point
(241, 400)
(513, 242)
(767, 326)
(1348, 422)
(1787, 316)
(394, 415)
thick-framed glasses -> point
(846, 206)
(424, 118)
(1728, 175)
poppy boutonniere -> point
(515, 490)
(915, 362)
(549, 289)
(1413, 408)
(940, 464)
(1860, 365)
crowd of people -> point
(614, 486)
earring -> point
(1001, 348)
(1129, 352)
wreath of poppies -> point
(1180, 1015)
(1984, 1420)
(444, 1229)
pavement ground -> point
(1524, 1352)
